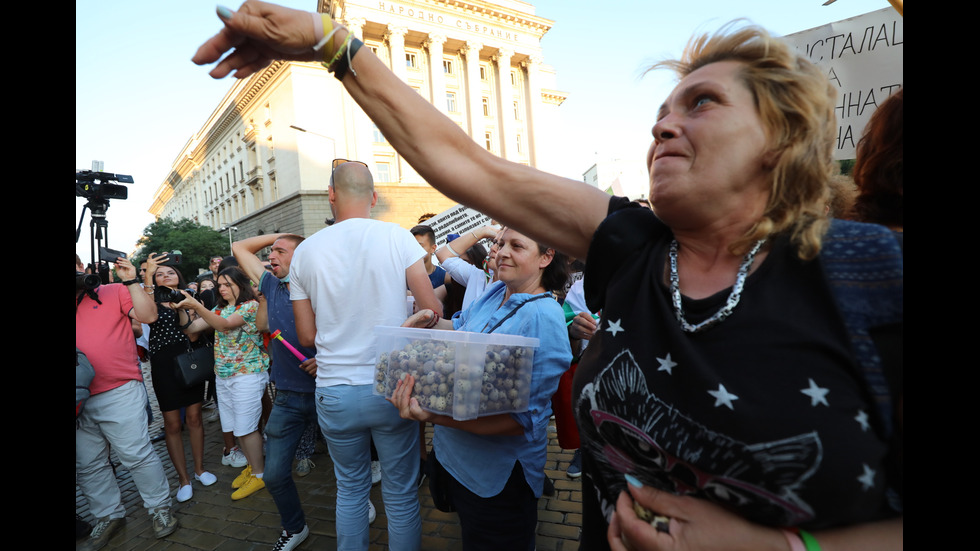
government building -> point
(261, 162)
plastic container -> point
(457, 373)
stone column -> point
(437, 77)
(474, 91)
(505, 104)
(200, 204)
(361, 145)
(396, 42)
(356, 26)
(533, 67)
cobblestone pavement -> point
(212, 521)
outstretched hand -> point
(422, 318)
(259, 33)
(695, 524)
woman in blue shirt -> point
(497, 462)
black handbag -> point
(195, 366)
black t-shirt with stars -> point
(761, 414)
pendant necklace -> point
(730, 304)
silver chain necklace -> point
(730, 304)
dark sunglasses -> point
(338, 162)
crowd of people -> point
(742, 383)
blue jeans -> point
(350, 416)
(291, 412)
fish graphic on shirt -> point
(631, 431)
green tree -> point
(196, 243)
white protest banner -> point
(458, 219)
(863, 57)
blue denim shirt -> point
(483, 463)
(285, 365)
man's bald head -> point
(352, 181)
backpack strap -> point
(84, 373)
(514, 311)
(864, 268)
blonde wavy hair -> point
(795, 101)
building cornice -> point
(553, 97)
(500, 12)
(518, 16)
(240, 103)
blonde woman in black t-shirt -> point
(733, 457)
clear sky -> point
(138, 98)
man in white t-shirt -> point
(345, 280)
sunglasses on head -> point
(338, 162)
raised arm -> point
(144, 308)
(559, 212)
(463, 243)
(562, 213)
(246, 253)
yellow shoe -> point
(252, 485)
(242, 478)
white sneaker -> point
(375, 472)
(304, 466)
(234, 458)
(372, 514)
(289, 541)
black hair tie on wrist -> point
(346, 58)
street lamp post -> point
(229, 228)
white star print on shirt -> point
(614, 327)
(723, 397)
(862, 419)
(666, 364)
(867, 479)
(817, 395)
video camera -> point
(92, 185)
(86, 282)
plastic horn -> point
(295, 352)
